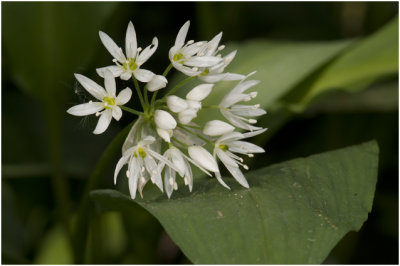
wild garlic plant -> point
(165, 141)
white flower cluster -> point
(164, 141)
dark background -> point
(42, 144)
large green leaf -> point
(294, 212)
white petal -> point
(254, 133)
(86, 109)
(132, 187)
(194, 105)
(199, 92)
(218, 176)
(165, 134)
(92, 87)
(243, 86)
(116, 70)
(238, 175)
(104, 121)
(186, 116)
(126, 75)
(225, 159)
(186, 70)
(180, 38)
(120, 164)
(124, 96)
(217, 127)
(196, 164)
(212, 45)
(247, 110)
(116, 113)
(130, 41)
(178, 161)
(236, 121)
(244, 147)
(143, 75)
(152, 169)
(156, 83)
(202, 61)
(109, 83)
(213, 78)
(110, 45)
(203, 158)
(189, 50)
(147, 52)
(228, 137)
(176, 104)
(164, 120)
(161, 159)
(188, 175)
(169, 175)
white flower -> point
(183, 56)
(164, 120)
(108, 101)
(165, 124)
(214, 73)
(128, 65)
(187, 109)
(176, 104)
(229, 143)
(203, 158)
(217, 128)
(156, 83)
(142, 166)
(235, 113)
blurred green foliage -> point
(48, 155)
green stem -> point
(167, 70)
(139, 93)
(195, 134)
(81, 225)
(130, 110)
(153, 99)
(180, 84)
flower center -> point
(178, 57)
(223, 147)
(205, 72)
(108, 102)
(141, 152)
(131, 65)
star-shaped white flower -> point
(108, 105)
(128, 64)
(184, 57)
(237, 114)
(142, 166)
(224, 149)
(214, 73)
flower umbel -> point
(167, 140)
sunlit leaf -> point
(294, 212)
(371, 58)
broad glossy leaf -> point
(294, 212)
(369, 59)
